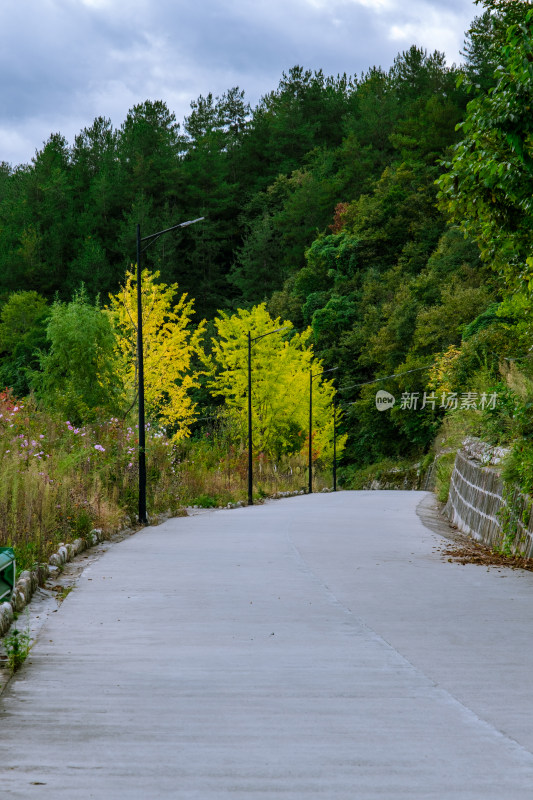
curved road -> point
(315, 647)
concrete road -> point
(315, 647)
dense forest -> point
(390, 213)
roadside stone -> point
(74, 548)
(24, 584)
(56, 560)
(18, 600)
(6, 617)
(28, 578)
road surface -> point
(313, 647)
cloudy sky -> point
(64, 62)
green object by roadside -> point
(7, 572)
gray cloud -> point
(63, 62)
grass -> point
(214, 473)
(59, 481)
(17, 645)
(443, 475)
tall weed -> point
(58, 481)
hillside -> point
(389, 212)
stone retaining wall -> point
(475, 501)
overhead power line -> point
(386, 378)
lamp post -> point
(250, 458)
(140, 359)
(335, 443)
(311, 379)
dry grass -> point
(58, 482)
(216, 473)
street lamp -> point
(335, 443)
(311, 379)
(140, 359)
(250, 459)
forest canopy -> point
(386, 216)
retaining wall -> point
(475, 501)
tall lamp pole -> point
(140, 359)
(310, 465)
(335, 443)
(250, 454)
(250, 460)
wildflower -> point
(100, 448)
(41, 436)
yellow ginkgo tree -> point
(170, 344)
(281, 364)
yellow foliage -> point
(441, 373)
(281, 363)
(169, 345)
